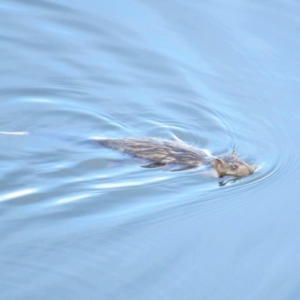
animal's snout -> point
(252, 169)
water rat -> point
(161, 152)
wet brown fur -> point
(161, 152)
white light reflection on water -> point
(110, 185)
(71, 199)
(17, 194)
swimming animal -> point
(161, 152)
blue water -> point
(81, 222)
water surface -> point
(78, 221)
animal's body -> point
(162, 152)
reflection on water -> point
(16, 194)
(80, 221)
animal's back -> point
(159, 150)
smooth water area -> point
(83, 222)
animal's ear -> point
(233, 154)
(219, 163)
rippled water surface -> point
(83, 222)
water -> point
(80, 222)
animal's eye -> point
(234, 167)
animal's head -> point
(231, 165)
